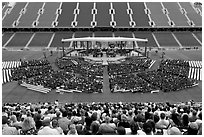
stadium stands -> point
(122, 118)
(40, 39)
(103, 17)
(48, 15)
(5, 37)
(142, 34)
(157, 14)
(20, 39)
(84, 18)
(174, 13)
(14, 14)
(139, 16)
(166, 39)
(103, 34)
(186, 39)
(121, 17)
(198, 35)
(56, 42)
(67, 14)
(30, 14)
(191, 13)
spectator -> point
(6, 129)
(121, 130)
(15, 123)
(55, 125)
(107, 127)
(162, 123)
(64, 122)
(192, 129)
(46, 129)
(72, 130)
(193, 118)
(134, 127)
(28, 127)
(174, 131)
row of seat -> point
(10, 64)
(155, 39)
(195, 73)
(6, 75)
(195, 64)
(72, 14)
(38, 88)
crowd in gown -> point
(130, 65)
(122, 118)
(74, 74)
(172, 75)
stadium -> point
(102, 57)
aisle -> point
(106, 89)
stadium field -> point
(12, 92)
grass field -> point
(12, 92)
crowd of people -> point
(172, 75)
(130, 65)
(131, 75)
(74, 74)
(108, 118)
(130, 83)
(122, 76)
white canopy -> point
(104, 39)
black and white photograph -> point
(101, 67)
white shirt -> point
(48, 131)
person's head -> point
(134, 127)
(147, 128)
(185, 119)
(28, 123)
(107, 119)
(13, 118)
(94, 128)
(54, 123)
(174, 131)
(156, 118)
(94, 116)
(200, 115)
(4, 120)
(72, 130)
(121, 130)
(64, 113)
(193, 128)
(162, 116)
(58, 113)
(194, 113)
(46, 122)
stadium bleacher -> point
(166, 39)
(144, 34)
(139, 16)
(157, 15)
(29, 15)
(48, 15)
(67, 14)
(191, 13)
(174, 13)
(40, 39)
(103, 17)
(13, 15)
(5, 37)
(56, 42)
(85, 17)
(20, 39)
(186, 39)
(121, 11)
